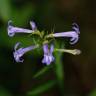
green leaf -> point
(42, 88)
(41, 72)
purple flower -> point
(12, 30)
(21, 51)
(74, 35)
(48, 57)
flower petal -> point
(33, 25)
(10, 31)
(76, 28)
(45, 48)
(16, 45)
(48, 61)
(73, 40)
(48, 57)
(18, 54)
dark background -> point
(78, 72)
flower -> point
(12, 30)
(48, 57)
(74, 35)
(44, 40)
(21, 51)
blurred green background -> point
(69, 75)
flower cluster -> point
(47, 50)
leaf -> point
(41, 72)
(42, 88)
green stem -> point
(59, 71)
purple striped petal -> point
(48, 57)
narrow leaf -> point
(42, 88)
(41, 72)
